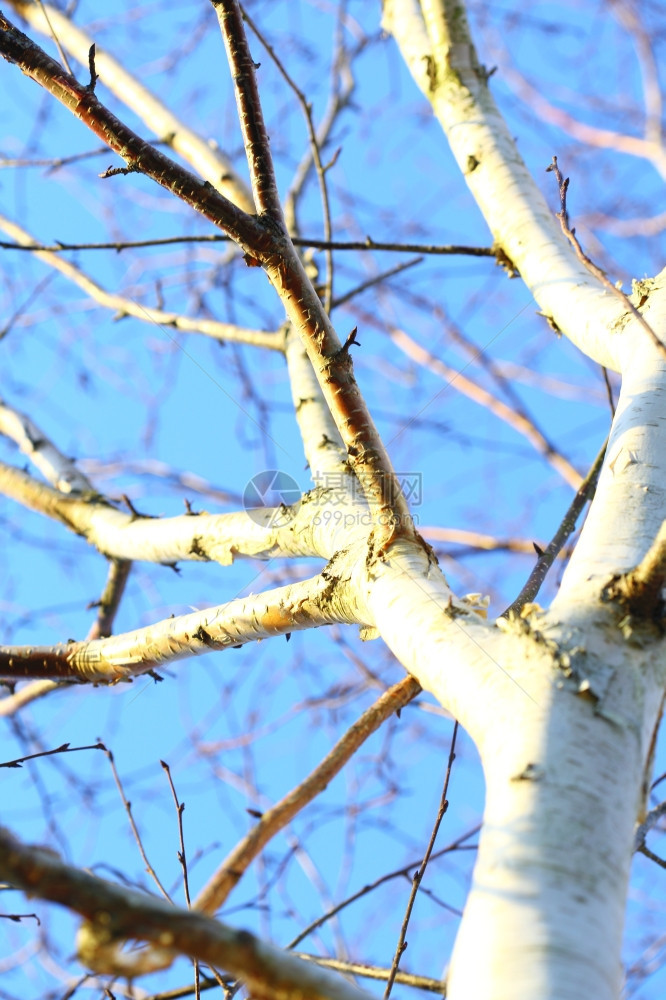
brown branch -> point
(563, 216)
(276, 818)
(546, 558)
(255, 136)
(112, 595)
(458, 844)
(437, 249)
(139, 155)
(114, 914)
(330, 359)
(205, 157)
(306, 108)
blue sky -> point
(124, 394)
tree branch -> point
(320, 600)
(250, 115)
(206, 158)
(139, 156)
(229, 873)
(114, 914)
(262, 532)
(125, 306)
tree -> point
(562, 701)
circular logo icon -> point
(271, 489)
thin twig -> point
(182, 857)
(61, 51)
(456, 845)
(436, 249)
(546, 558)
(65, 748)
(135, 831)
(563, 216)
(371, 282)
(418, 877)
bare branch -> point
(262, 533)
(418, 877)
(109, 602)
(206, 158)
(114, 914)
(138, 155)
(229, 873)
(444, 249)
(546, 558)
(306, 604)
(306, 108)
(124, 306)
(255, 136)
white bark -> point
(123, 306)
(444, 64)
(57, 469)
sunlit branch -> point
(435, 41)
(112, 595)
(320, 170)
(124, 306)
(331, 359)
(262, 532)
(297, 606)
(229, 873)
(250, 115)
(462, 383)
(114, 914)
(207, 159)
(138, 155)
